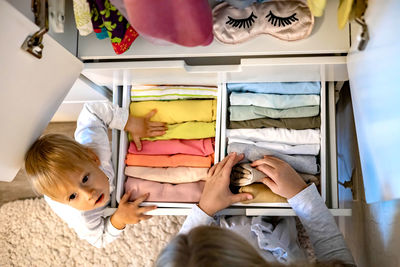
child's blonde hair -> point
(217, 247)
(50, 158)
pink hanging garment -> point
(184, 22)
(163, 192)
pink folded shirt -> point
(164, 192)
(199, 147)
(178, 160)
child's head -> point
(215, 246)
(67, 172)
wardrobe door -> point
(374, 82)
(31, 89)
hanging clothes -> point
(184, 22)
(82, 17)
(104, 15)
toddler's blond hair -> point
(50, 158)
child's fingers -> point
(156, 128)
(141, 199)
(269, 182)
(266, 169)
(145, 217)
(211, 170)
(232, 161)
(261, 161)
(137, 142)
(151, 114)
(156, 133)
(156, 124)
(274, 160)
(221, 164)
(144, 209)
(125, 197)
(241, 197)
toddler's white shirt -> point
(92, 130)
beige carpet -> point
(32, 235)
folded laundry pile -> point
(173, 167)
(277, 119)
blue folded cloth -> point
(282, 88)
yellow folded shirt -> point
(177, 111)
(186, 130)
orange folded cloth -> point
(178, 160)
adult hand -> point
(140, 127)
(129, 212)
(216, 193)
(281, 178)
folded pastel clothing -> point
(281, 88)
(277, 135)
(171, 92)
(301, 163)
(176, 175)
(273, 101)
(243, 174)
(164, 192)
(177, 111)
(311, 149)
(199, 147)
(187, 130)
(241, 113)
(261, 194)
(178, 160)
(295, 123)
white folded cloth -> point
(277, 135)
(311, 149)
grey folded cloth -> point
(243, 174)
(301, 163)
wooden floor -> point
(20, 187)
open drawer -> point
(323, 69)
(325, 38)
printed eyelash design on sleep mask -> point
(285, 20)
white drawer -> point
(324, 69)
(325, 38)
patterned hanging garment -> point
(106, 18)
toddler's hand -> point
(130, 212)
(281, 178)
(142, 127)
(216, 194)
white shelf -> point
(325, 38)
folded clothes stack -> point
(280, 119)
(172, 167)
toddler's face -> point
(87, 189)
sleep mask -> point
(286, 20)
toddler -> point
(77, 177)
